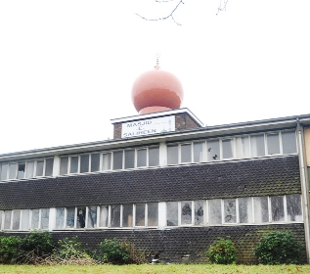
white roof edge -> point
(157, 114)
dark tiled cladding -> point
(173, 244)
(255, 177)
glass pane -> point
(74, 164)
(7, 219)
(84, 166)
(261, 214)
(228, 148)
(172, 154)
(293, 204)
(115, 215)
(214, 212)
(95, 162)
(39, 169)
(277, 208)
(118, 160)
(186, 153)
(289, 142)
(1, 216)
(45, 212)
(230, 210)
(257, 145)
(172, 213)
(152, 214)
(4, 171)
(63, 165)
(25, 222)
(29, 169)
(92, 217)
(106, 161)
(198, 152)
(242, 147)
(199, 212)
(273, 144)
(81, 217)
(141, 160)
(60, 217)
(35, 216)
(154, 156)
(21, 171)
(186, 213)
(245, 210)
(213, 150)
(127, 216)
(104, 216)
(49, 164)
(13, 171)
(70, 217)
(140, 215)
(129, 158)
(16, 219)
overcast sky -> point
(67, 67)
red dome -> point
(157, 90)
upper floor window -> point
(26, 169)
(233, 147)
(80, 163)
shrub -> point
(36, 246)
(9, 247)
(222, 251)
(70, 251)
(278, 247)
(116, 252)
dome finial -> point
(157, 61)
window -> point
(198, 151)
(127, 215)
(273, 143)
(186, 153)
(230, 211)
(293, 204)
(277, 208)
(16, 219)
(92, 217)
(289, 142)
(1, 218)
(25, 219)
(257, 145)
(245, 210)
(228, 148)
(140, 215)
(172, 214)
(186, 213)
(243, 147)
(214, 212)
(141, 157)
(104, 216)
(115, 215)
(80, 164)
(261, 210)
(213, 150)
(7, 219)
(60, 217)
(153, 156)
(152, 214)
(129, 158)
(199, 212)
(173, 154)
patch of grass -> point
(153, 269)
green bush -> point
(222, 251)
(278, 247)
(36, 246)
(116, 252)
(9, 247)
(70, 248)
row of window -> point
(27, 169)
(233, 147)
(199, 151)
(251, 210)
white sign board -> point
(148, 126)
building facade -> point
(166, 183)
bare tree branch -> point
(165, 17)
(222, 6)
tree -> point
(222, 7)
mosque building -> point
(165, 182)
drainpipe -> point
(304, 188)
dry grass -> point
(150, 269)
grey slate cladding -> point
(255, 177)
(172, 244)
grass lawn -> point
(149, 268)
